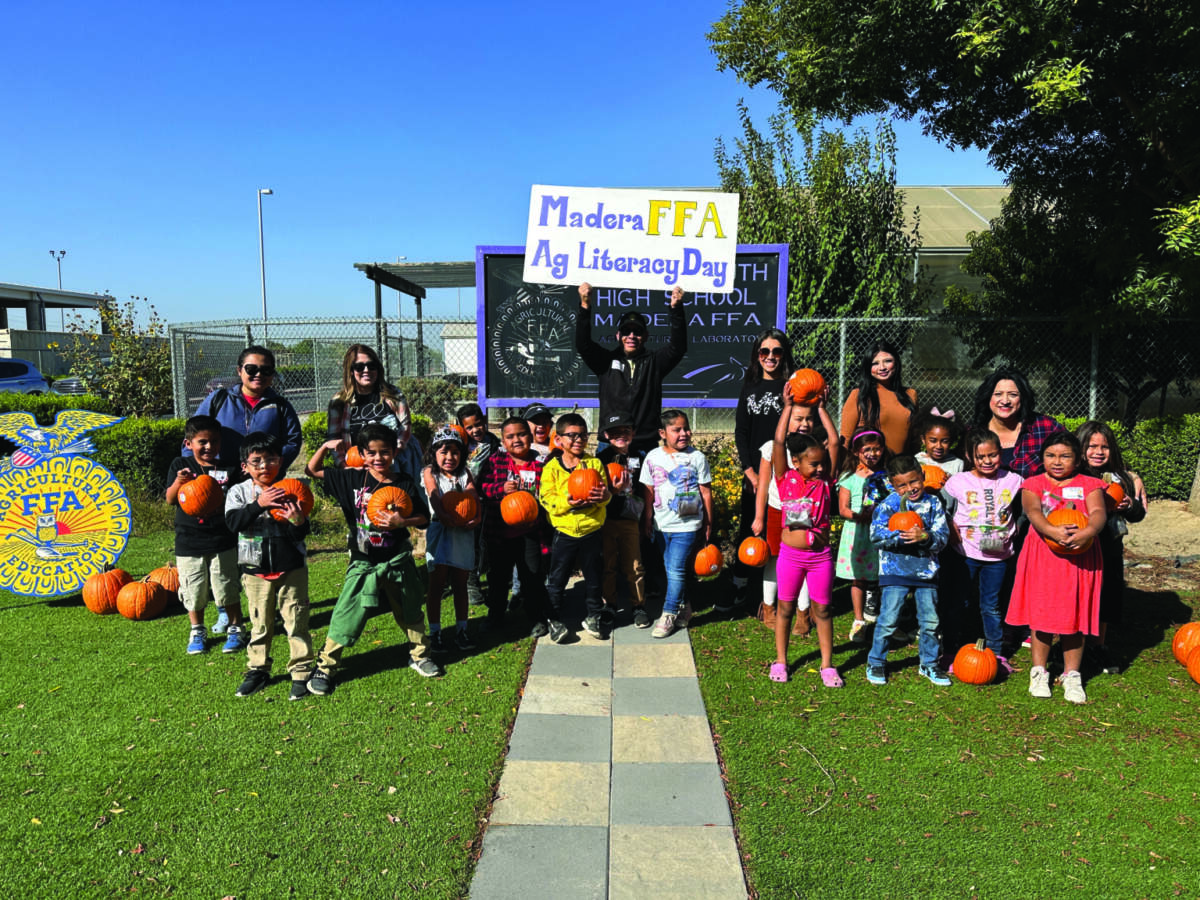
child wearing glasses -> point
(577, 521)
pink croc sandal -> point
(831, 678)
(779, 672)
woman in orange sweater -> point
(881, 401)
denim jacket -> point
(910, 564)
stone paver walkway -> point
(611, 787)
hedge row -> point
(314, 428)
(1163, 451)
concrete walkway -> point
(611, 787)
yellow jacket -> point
(573, 521)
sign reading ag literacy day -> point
(63, 517)
(612, 237)
(526, 340)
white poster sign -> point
(613, 237)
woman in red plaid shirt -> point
(1006, 405)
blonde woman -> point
(366, 398)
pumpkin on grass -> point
(140, 600)
(1186, 639)
(294, 490)
(519, 509)
(709, 561)
(389, 499)
(100, 590)
(1068, 515)
(201, 497)
(975, 664)
(807, 386)
(754, 551)
(1193, 665)
(458, 508)
(581, 483)
(167, 576)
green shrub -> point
(436, 398)
(314, 428)
(45, 406)
(1163, 451)
(139, 452)
(726, 487)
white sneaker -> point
(1072, 684)
(1039, 682)
(664, 626)
(858, 632)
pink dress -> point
(1053, 593)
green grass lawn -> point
(914, 791)
(128, 767)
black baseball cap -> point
(617, 420)
(533, 410)
(633, 321)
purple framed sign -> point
(526, 332)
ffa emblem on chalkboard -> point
(533, 339)
(62, 516)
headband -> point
(445, 435)
(859, 435)
(948, 414)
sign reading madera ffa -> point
(631, 238)
(63, 517)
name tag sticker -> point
(616, 364)
(1072, 493)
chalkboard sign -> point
(526, 339)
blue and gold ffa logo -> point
(63, 517)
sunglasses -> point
(772, 352)
(254, 371)
(636, 332)
(365, 367)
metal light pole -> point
(262, 261)
(58, 258)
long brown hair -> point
(386, 391)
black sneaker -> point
(255, 681)
(299, 690)
(425, 666)
(539, 630)
(641, 618)
(514, 602)
(462, 640)
(320, 683)
(593, 626)
(436, 644)
(558, 632)
(1102, 660)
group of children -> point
(932, 527)
(600, 530)
(943, 530)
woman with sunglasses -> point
(366, 398)
(758, 410)
(252, 405)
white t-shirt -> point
(773, 488)
(676, 479)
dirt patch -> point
(1169, 530)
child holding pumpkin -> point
(678, 512)
(481, 444)
(205, 548)
(271, 526)
(1124, 504)
(801, 467)
(857, 559)
(575, 496)
(515, 532)
(909, 528)
(622, 533)
(450, 539)
(380, 504)
(1058, 581)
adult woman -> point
(1006, 404)
(758, 410)
(366, 398)
(881, 401)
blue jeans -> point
(677, 549)
(990, 575)
(891, 604)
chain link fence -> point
(1128, 373)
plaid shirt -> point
(492, 478)
(1027, 458)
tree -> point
(1088, 107)
(836, 205)
(132, 369)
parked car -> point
(20, 376)
(72, 384)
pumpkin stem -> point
(979, 644)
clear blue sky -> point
(138, 135)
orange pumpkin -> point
(168, 577)
(581, 483)
(389, 499)
(201, 497)
(1186, 639)
(295, 490)
(1114, 493)
(100, 591)
(354, 458)
(905, 519)
(1068, 515)
(458, 508)
(754, 552)
(709, 561)
(935, 477)
(519, 509)
(615, 471)
(1193, 665)
(975, 664)
(141, 600)
(807, 386)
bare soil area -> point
(1163, 550)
